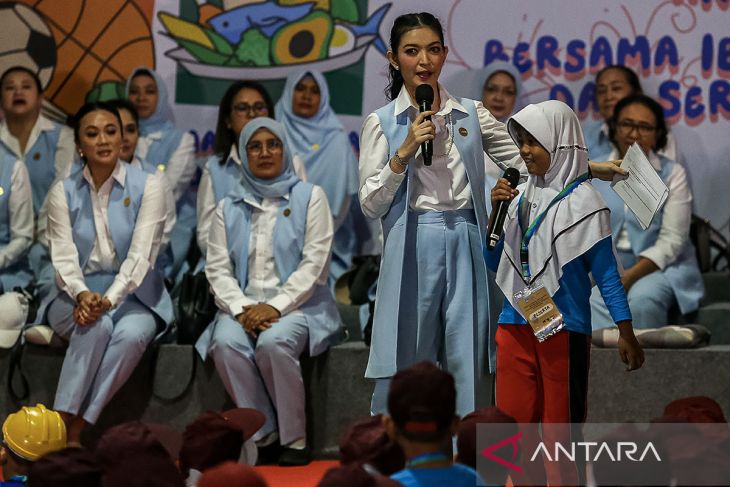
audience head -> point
(421, 405)
(21, 93)
(638, 118)
(466, 439)
(215, 438)
(144, 92)
(263, 151)
(130, 127)
(697, 409)
(367, 442)
(231, 474)
(28, 434)
(131, 456)
(355, 475)
(242, 102)
(306, 97)
(500, 90)
(424, 30)
(613, 83)
(70, 467)
(98, 133)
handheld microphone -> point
(499, 211)
(424, 98)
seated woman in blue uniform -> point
(268, 260)
(660, 265)
(241, 103)
(319, 139)
(105, 223)
(164, 148)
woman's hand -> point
(607, 170)
(628, 347)
(90, 307)
(258, 317)
(502, 191)
(418, 132)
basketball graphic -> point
(96, 42)
(26, 40)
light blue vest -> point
(323, 319)
(17, 274)
(396, 226)
(598, 143)
(41, 163)
(124, 205)
(223, 177)
(683, 274)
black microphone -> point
(499, 211)
(424, 98)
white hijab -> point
(572, 226)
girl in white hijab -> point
(557, 237)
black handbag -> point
(707, 239)
(196, 308)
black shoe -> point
(269, 454)
(294, 458)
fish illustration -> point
(268, 17)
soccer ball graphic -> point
(26, 40)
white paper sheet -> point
(643, 190)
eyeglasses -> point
(627, 127)
(272, 145)
(245, 108)
(494, 90)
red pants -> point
(543, 383)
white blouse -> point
(20, 208)
(170, 207)
(143, 249)
(441, 187)
(206, 203)
(263, 279)
(180, 168)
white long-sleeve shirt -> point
(142, 250)
(20, 208)
(170, 206)
(65, 150)
(180, 168)
(676, 218)
(263, 280)
(442, 186)
(206, 203)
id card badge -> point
(540, 310)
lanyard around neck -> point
(532, 228)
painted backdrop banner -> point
(84, 49)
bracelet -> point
(399, 161)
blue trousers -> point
(263, 373)
(649, 300)
(444, 304)
(101, 356)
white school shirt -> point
(142, 251)
(441, 187)
(206, 203)
(263, 280)
(677, 216)
(20, 208)
(180, 168)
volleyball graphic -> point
(96, 42)
(26, 40)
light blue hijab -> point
(321, 141)
(470, 83)
(265, 188)
(161, 119)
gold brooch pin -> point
(287, 212)
(160, 168)
(315, 147)
(463, 132)
(2, 191)
(127, 201)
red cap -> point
(231, 474)
(367, 442)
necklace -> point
(449, 136)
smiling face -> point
(20, 95)
(306, 99)
(536, 157)
(144, 95)
(611, 88)
(265, 154)
(419, 58)
(100, 138)
(500, 94)
(130, 135)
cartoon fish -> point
(268, 17)
(371, 27)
